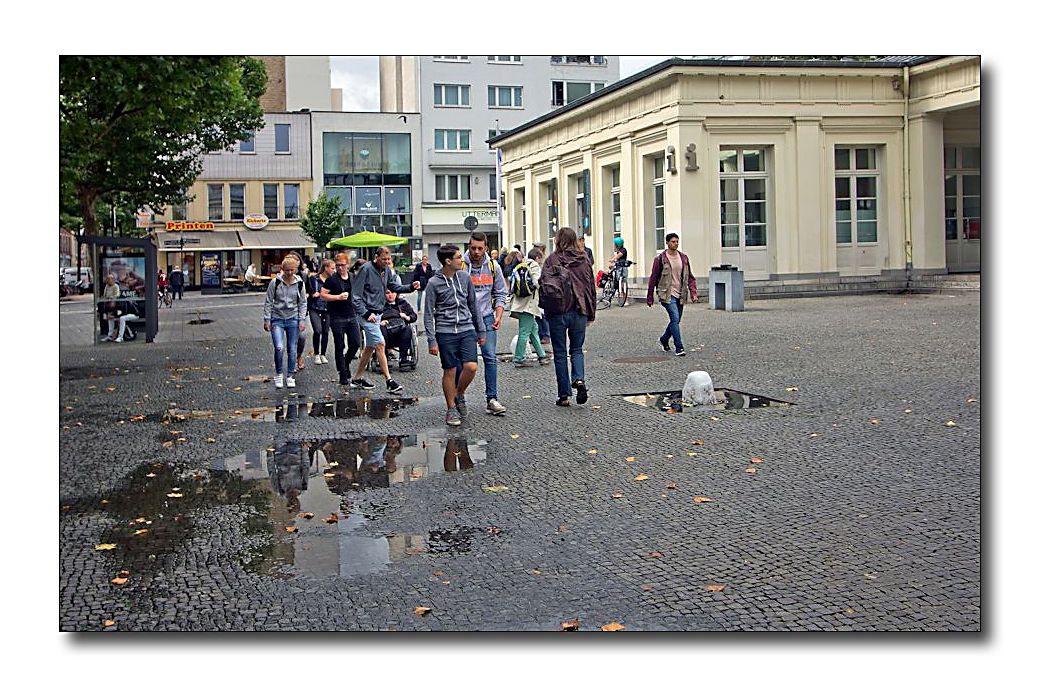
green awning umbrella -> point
(366, 239)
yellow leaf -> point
(950, 424)
(699, 499)
(591, 451)
(515, 436)
(168, 444)
(641, 477)
(756, 460)
(108, 623)
(851, 610)
(438, 573)
(595, 406)
(535, 572)
(793, 388)
(332, 518)
(291, 529)
(874, 422)
(333, 463)
(118, 581)
(751, 469)
(211, 440)
(714, 418)
(570, 625)
(715, 588)
(495, 488)
(421, 611)
(669, 456)
(175, 494)
(631, 459)
(611, 627)
(526, 397)
(813, 435)
(139, 417)
(616, 495)
(698, 442)
(105, 545)
(692, 454)
(237, 388)
(908, 411)
(141, 531)
(307, 515)
(182, 439)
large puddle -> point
(671, 401)
(294, 408)
(301, 518)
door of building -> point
(743, 211)
(962, 208)
(858, 251)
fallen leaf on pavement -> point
(291, 529)
(950, 424)
(495, 488)
(813, 435)
(851, 610)
(611, 627)
(105, 545)
(646, 588)
(692, 454)
(118, 581)
(570, 625)
(616, 495)
(591, 451)
(535, 572)
(641, 477)
(526, 397)
(595, 406)
(669, 456)
(141, 531)
(332, 518)
(698, 442)
(714, 418)
(793, 388)
(307, 515)
(515, 436)
(756, 460)
(211, 440)
(874, 422)
(438, 573)
(150, 475)
(492, 530)
(671, 485)
(970, 401)
(699, 499)
(715, 588)
(563, 528)
(421, 611)
(168, 444)
(655, 555)
(237, 388)
(108, 623)
(908, 411)
(175, 494)
(751, 469)
(631, 459)
(139, 417)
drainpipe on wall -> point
(907, 181)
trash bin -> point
(726, 288)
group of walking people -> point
(463, 305)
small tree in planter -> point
(322, 219)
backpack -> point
(556, 295)
(521, 284)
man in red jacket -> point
(671, 280)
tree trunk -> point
(90, 221)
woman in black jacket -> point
(422, 273)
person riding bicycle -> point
(620, 259)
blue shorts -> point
(373, 334)
(455, 349)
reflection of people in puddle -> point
(394, 448)
(288, 467)
(457, 455)
(289, 412)
(345, 455)
(373, 471)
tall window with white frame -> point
(743, 197)
(282, 139)
(857, 195)
(237, 198)
(658, 196)
(962, 193)
(291, 197)
(215, 201)
(616, 202)
(271, 201)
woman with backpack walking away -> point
(568, 297)
(523, 305)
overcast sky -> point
(359, 77)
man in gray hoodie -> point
(369, 296)
(491, 289)
(454, 330)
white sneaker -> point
(318, 359)
(291, 382)
(278, 380)
(325, 359)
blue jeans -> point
(544, 327)
(284, 333)
(676, 311)
(572, 324)
(488, 359)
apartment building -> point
(801, 173)
(463, 101)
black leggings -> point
(320, 330)
(348, 327)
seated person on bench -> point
(398, 317)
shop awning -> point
(281, 239)
(169, 241)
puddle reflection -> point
(292, 409)
(671, 402)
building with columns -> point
(804, 173)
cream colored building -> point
(797, 172)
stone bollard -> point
(726, 288)
(698, 388)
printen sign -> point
(189, 226)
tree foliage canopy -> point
(322, 219)
(134, 128)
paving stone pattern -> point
(863, 515)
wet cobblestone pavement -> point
(857, 507)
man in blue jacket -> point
(491, 290)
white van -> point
(68, 277)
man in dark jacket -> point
(177, 282)
(671, 280)
(368, 293)
(398, 317)
(422, 273)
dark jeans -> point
(179, 291)
(320, 330)
(402, 340)
(341, 328)
(544, 327)
(573, 325)
(676, 311)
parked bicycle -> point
(615, 287)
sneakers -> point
(495, 408)
(361, 383)
(523, 365)
(580, 392)
(665, 346)
(291, 382)
(563, 402)
(394, 387)
(452, 417)
(544, 361)
(681, 353)
(319, 359)
(278, 381)
(461, 406)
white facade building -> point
(463, 101)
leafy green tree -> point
(322, 219)
(132, 129)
